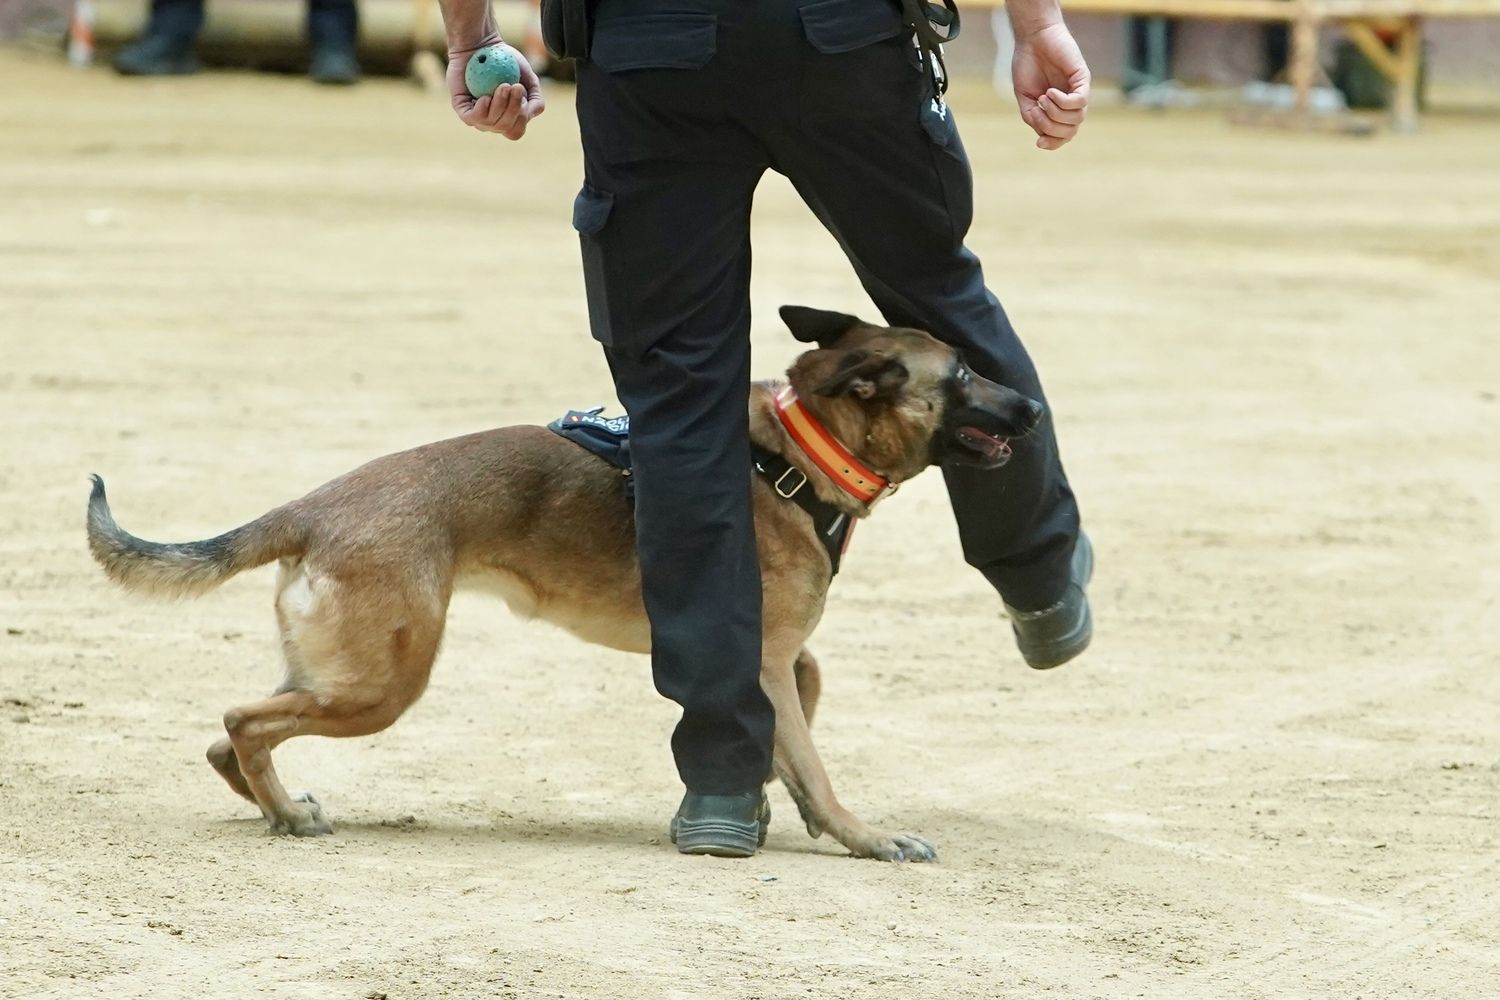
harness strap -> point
(833, 527)
(609, 439)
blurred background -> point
(1270, 336)
(1210, 55)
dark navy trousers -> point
(683, 106)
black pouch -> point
(565, 28)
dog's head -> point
(900, 398)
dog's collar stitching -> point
(827, 452)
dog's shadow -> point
(615, 832)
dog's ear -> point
(864, 376)
(818, 326)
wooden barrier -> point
(1362, 20)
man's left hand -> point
(1052, 84)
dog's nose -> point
(1034, 412)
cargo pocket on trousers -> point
(654, 41)
(591, 210)
(951, 164)
(862, 64)
(645, 75)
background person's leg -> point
(332, 31)
(181, 18)
(166, 47)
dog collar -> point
(846, 471)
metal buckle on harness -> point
(788, 494)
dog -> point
(369, 561)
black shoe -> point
(334, 64)
(1052, 636)
(158, 55)
(726, 826)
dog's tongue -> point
(989, 445)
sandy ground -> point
(1273, 358)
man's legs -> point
(664, 223)
(689, 444)
(897, 194)
(332, 28)
(666, 250)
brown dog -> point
(369, 560)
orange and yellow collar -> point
(827, 453)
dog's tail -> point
(189, 568)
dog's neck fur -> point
(847, 424)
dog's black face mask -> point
(980, 420)
(968, 419)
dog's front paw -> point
(304, 819)
(900, 847)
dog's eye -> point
(962, 376)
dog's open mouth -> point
(994, 448)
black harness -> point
(609, 438)
(790, 483)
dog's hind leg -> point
(358, 656)
(221, 756)
(254, 731)
(257, 729)
(221, 753)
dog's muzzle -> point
(994, 449)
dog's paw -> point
(305, 819)
(902, 847)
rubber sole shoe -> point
(726, 826)
(1052, 636)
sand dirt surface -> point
(1275, 367)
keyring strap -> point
(926, 19)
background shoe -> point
(1052, 636)
(335, 65)
(158, 55)
(726, 826)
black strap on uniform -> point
(934, 24)
(790, 483)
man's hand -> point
(512, 106)
(1052, 84)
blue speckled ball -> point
(489, 68)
